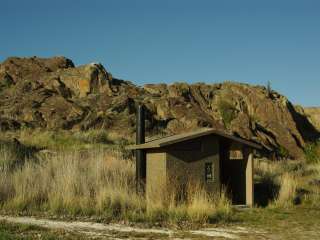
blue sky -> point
(148, 41)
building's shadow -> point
(265, 192)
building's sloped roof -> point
(166, 141)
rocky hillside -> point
(54, 94)
(313, 114)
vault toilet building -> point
(209, 157)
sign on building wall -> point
(236, 154)
(236, 151)
(209, 172)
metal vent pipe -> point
(140, 154)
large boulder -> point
(86, 79)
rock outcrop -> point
(313, 114)
(54, 94)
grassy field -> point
(90, 174)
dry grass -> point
(288, 188)
(65, 140)
(196, 205)
(291, 182)
(95, 182)
(6, 157)
(204, 207)
(76, 183)
(313, 198)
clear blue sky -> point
(148, 41)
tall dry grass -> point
(288, 189)
(193, 204)
(204, 207)
(291, 182)
(97, 182)
(281, 178)
(314, 197)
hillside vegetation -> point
(53, 94)
(91, 174)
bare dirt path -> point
(118, 231)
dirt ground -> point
(117, 231)
(297, 223)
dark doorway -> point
(232, 175)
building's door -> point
(233, 174)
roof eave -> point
(141, 146)
(151, 146)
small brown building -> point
(207, 156)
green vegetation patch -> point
(228, 112)
(283, 152)
(312, 152)
(10, 231)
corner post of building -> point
(140, 154)
(249, 179)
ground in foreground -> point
(295, 223)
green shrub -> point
(283, 152)
(312, 152)
(228, 112)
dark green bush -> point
(312, 152)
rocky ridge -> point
(313, 114)
(54, 94)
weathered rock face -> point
(250, 112)
(84, 80)
(54, 94)
(313, 114)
